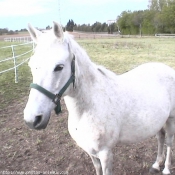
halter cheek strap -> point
(57, 97)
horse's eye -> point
(59, 67)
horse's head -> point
(51, 67)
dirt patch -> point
(53, 150)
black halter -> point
(57, 97)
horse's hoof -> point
(166, 171)
(153, 170)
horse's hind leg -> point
(160, 155)
(170, 129)
(167, 161)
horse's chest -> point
(87, 133)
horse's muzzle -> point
(38, 123)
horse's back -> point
(149, 71)
(154, 75)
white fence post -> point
(24, 39)
(14, 61)
(15, 57)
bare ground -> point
(52, 149)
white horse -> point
(104, 108)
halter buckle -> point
(56, 99)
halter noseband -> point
(57, 97)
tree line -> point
(96, 27)
(6, 31)
(158, 18)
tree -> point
(158, 18)
(48, 28)
(70, 25)
(104, 27)
(111, 28)
(138, 19)
(125, 22)
(148, 22)
(168, 17)
(97, 27)
(157, 5)
(153, 5)
(4, 31)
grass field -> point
(123, 54)
(119, 55)
(9, 90)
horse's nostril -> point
(38, 120)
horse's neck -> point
(80, 97)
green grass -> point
(118, 55)
(123, 54)
(9, 90)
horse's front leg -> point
(97, 165)
(160, 155)
(106, 159)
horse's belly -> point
(143, 126)
(147, 107)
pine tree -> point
(70, 25)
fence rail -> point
(89, 35)
(18, 39)
(15, 57)
(164, 35)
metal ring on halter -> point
(56, 99)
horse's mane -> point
(106, 72)
(83, 57)
(75, 48)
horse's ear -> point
(34, 33)
(57, 29)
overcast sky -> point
(16, 14)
